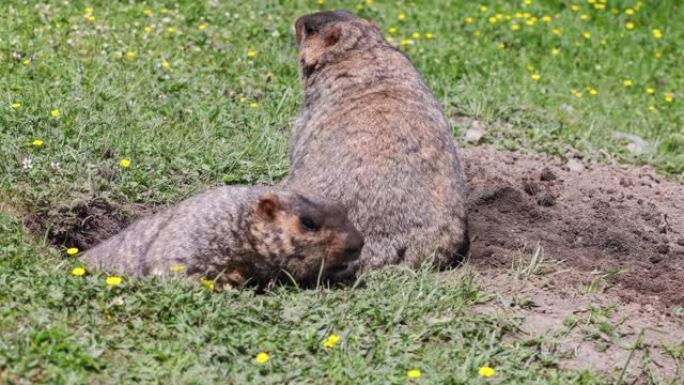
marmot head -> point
(305, 235)
(325, 37)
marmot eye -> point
(309, 224)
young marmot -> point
(372, 136)
(234, 235)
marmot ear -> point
(332, 36)
(268, 207)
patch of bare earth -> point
(613, 246)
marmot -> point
(372, 137)
(235, 235)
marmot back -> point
(372, 136)
(234, 235)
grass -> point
(204, 93)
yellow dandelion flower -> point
(251, 54)
(369, 2)
(628, 83)
(486, 371)
(657, 34)
(202, 27)
(147, 12)
(165, 64)
(669, 98)
(26, 61)
(320, 2)
(577, 94)
(658, 54)
(535, 76)
(91, 18)
(72, 251)
(603, 42)
(390, 39)
(15, 106)
(531, 21)
(331, 341)
(652, 107)
(650, 91)
(557, 31)
(574, 8)
(630, 25)
(170, 30)
(78, 271)
(262, 358)
(429, 35)
(177, 268)
(638, 5)
(492, 19)
(163, 11)
(55, 113)
(484, 8)
(469, 20)
(584, 17)
(477, 33)
(527, 2)
(392, 30)
(586, 35)
(414, 373)
(530, 68)
(148, 29)
(555, 52)
(518, 15)
(600, 6)
(546, 19)
(125, 163)
(405, 42)
(515, 27)
(37, 143)
(131, 55)
(591, 1)
(113, 281)
(593, 91)
(254, 104)
(243, 99)
(629, 11)
(501, 45)
(208, 283)
(415, 35)
(88, 10)
(401, 16)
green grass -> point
(192, 125)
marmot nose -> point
(354, 246)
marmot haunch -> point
(372, 137)
(234, 235)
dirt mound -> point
(626, 223)
(83, 224)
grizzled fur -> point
(235, 235)
(372, 136)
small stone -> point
(575, 165)
(473, 135)
(547, 175)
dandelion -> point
(628, 83)
(251, 54)
(586, 35)
(131, 55)
(429, 35)
(501, 45)
(657, 34)
(320, 2)
(555, 52)
(469, 20)
(331, 341)
(535, 76)
(163, 11)
(577, 94)
(484, 8)
(405, 42)
(415, 35)
(486, 371)
(125, 163)
(527, 2)
(515, 27)
(658, 55)
(37, 143)
(574, 8)
(26, 61)
(401, 16)
(72, 251)
(177, 268)
(254, 104)
(414, 373)
(88, 10)
(148, 29)
(78, 271)
(584, 17)
(669, 98)
(650, 91)
(262, 358)
(243, 99)
(392, 30)
(629, 11)
(209, 284)
(652, 107)
(147, 12)
(202, 27)
(630, 25)
(15, 106)
(170, 30)
(600, 6)
(91, 18)
(55, 113)
(603, 42)
(165, 64)
(546, 19)
(493, 19)
(556, 31)
(593, 91)
(477, 33)
(113, 281)
(531, 21)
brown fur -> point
(237, 234)
(372, 136)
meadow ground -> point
(108, 109)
